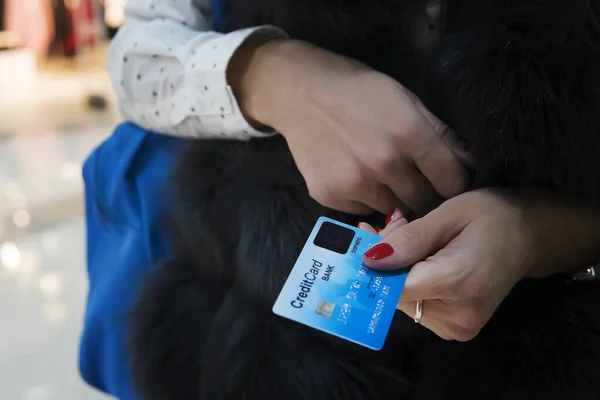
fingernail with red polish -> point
(389, 216)
(392, 216)
(379, 252)
(377, 229)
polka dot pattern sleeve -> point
(169, 70)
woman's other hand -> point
(360, 139)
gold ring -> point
(419, 312)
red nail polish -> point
(377, 229)
(389, 216)
(379, 252)
(393, 216)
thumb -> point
(415, 241)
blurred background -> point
(56, 105)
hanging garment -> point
(114, 15)
(33, 22)
(80, 14)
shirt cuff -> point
(220, 111)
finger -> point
(459, 149)
(441, 167)
(366, 227)
(436, 160)
(436, 278)
(393, 215)
(412, 188)
(462, 322)
(436, 326)
(439, 126)
(416, 241)
(349, 207)
(331, 196)
(436, 309)
(444, 327)
(392, 226)
(381, 199)
(448, 136)
(400, 207)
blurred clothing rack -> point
(61, 27)
(9, 40)
(65, 36)
(29, 23)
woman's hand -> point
(360, 139)
(476, 247)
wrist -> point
(568, 237)
(584, 244)
(257, 74)
(273, 79)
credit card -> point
(330, 289)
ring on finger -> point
(419, 312)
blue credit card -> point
(331, 290)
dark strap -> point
(217, 6)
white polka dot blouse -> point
(168, 69)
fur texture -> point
(519, 81)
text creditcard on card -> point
(330, 289)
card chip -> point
(325, 308)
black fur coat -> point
(519, 81)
